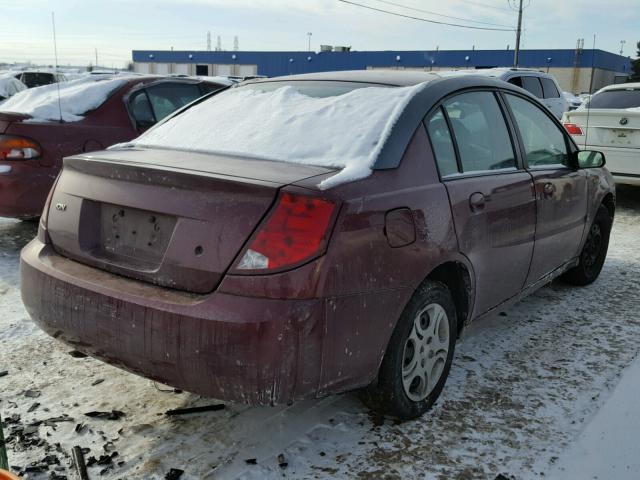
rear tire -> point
(418, 358)
(594, 251)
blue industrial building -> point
(568, 65)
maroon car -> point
(190, 258)
(32, 145)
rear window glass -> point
(331, 124)
(442, 144)
(549, 88)
(532, 85)
(616, 99)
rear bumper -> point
(24, 189)
(243, 349)
(623, 163)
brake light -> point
(18, 148)
(573, 129)
(297, 230)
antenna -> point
(55, 53)
(593, 55)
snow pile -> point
(217, 79)
(76, 98)
(9, 85)
(345, 131)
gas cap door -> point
(399, 227)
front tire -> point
(418, 358)
(594, 251)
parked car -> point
(36, 78)
(610, 121)
(94, 112)
(9, 86)
(542, 85)
(573, 101)
(306, 235)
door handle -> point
(477, 201)
(548, 189)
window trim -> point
(515, 140)
(569, 143)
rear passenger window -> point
(532, 85)
(442, 144)
(549, 88)
(543, 140)
(480, 132)
(517, 81)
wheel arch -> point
(457, 276)
(609, 201)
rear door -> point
(491, 195)
(561, 190)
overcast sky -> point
(115, 27)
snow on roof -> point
(218, 79)
(10, 85)
(345, 131)
(77, 97)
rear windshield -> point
(615, 99)
(333, 124)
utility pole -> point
(96, 57)
(516, 53)
(622, 42)
(309, 35)
(208, 41)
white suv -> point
(538, 83)
(610, 122)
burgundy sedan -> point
(33, 144)
(338, 234)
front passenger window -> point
(543, 140)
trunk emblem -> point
(624, 121)
(61, 207)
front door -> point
(491, 196)
(561, 190)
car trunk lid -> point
(607, 127)
(171, 218)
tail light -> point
(18, 148)
(573, 129)
(296, 231)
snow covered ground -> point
(534, 393)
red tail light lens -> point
(573, 129)
(18, 148)
(296, 231)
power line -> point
(441, 14)
(424, 19)
(480, 4)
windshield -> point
(628, 98)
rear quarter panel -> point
(364, 282)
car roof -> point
(498, 72)
(621, 86)
(399, 78)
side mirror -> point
(590, 159)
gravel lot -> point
(523, 386)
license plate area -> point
(129, 237)
(623, 138)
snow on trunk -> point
(345, 132)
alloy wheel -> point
(425, 352)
